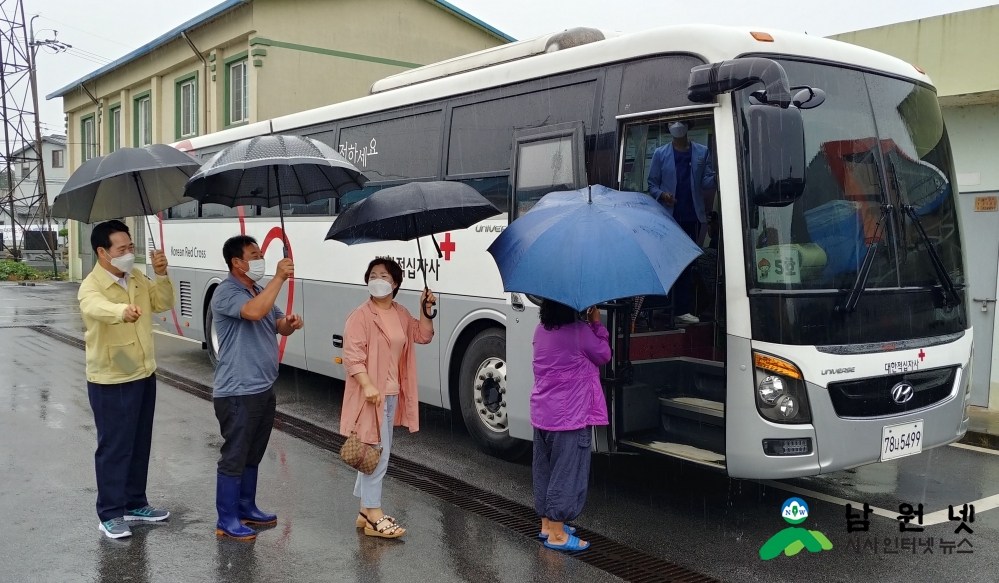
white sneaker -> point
(687, 319)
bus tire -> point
(211, 338)
(482, 395)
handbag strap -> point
(378, 423)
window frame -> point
(137, 104)
(179, 103)
(88, 151)
(241, 59)
(62, 158)
(114, 128)
(574, 130)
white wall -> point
(974, 137)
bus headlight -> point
(771, 389)
(780, 390)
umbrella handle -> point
(427, 313)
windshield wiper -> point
(949, 289)
(865, 268)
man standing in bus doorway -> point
(117, 303)
(680, 172)
(247, 323)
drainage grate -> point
(607, 555)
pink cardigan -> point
(366, 349)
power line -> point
(87, 32)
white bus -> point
(831, 294)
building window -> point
(186, 109)
(87, 138)
(58, 158)
(238, 99)
(25, 169)
(143, 120)
(114, 129)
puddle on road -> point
(34, 400)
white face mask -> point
(379, 288)
(256, 270)
(678, 130)
(124, 263)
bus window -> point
(320, 207)
(546, 159)
(656, 84)
(218, 210)
(404, 148)
(187, 210)
(641, 140)
(494, 188)
(482, 133)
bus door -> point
(544, 160)
(675, 401)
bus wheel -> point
(212, 337)
(482, 387)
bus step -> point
(703, 410)
(679, 450)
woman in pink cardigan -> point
(381, 381)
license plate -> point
(901, 440)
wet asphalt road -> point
(676, 511)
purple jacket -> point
(567, 393)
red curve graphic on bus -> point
(274, 234)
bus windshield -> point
(875, 141)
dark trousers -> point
(245, 422)
(681, 289)
(123, 415)
(561, 472)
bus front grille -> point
(878, 397)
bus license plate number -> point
(901, 440)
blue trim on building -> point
(150, 46)
(462, 14)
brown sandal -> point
(384, 527)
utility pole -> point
(43, 190)
(4, 50)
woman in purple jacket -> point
(565, 402)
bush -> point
(61, 276)
(15, 271)
(64, 232)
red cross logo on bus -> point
(922, 355)
(447, 246)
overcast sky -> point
(103, 30)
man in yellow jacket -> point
(117, 303)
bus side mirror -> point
(708, 81)
(775, 155)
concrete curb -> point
(986, 440)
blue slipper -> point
(572, 545)
(568, 530)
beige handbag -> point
(361, 456)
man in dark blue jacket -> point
(680, 171)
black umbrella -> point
(411, 211)
(273, 170)
(128, 182)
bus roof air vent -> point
(573, 37)
(549, 43)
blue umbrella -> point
(593, 245)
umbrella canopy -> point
(593, 245)
(273, 170)
(128, 182)
(410, 211)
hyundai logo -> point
(902, 393)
